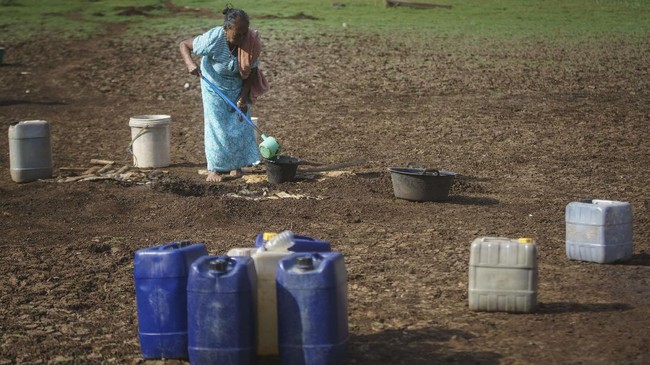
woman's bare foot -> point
(236, 173)
(214, 177)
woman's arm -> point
(186, 53)
(242, 102)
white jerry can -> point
(30, 151)
(266, 263)
(599, 231)
(503, 275)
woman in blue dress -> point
(230, 56)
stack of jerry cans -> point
(160, 275)
(312, 309)
(599, 231)
(221, 311)
(503, 275)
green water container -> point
(30, 151)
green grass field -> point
(510, 19)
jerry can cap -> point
(219, 265)
(525, 240)
(268, 235)
(305, 263)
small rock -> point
(186, 86)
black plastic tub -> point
(281, 169)
(421, 184)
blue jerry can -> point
(221, 310)
(312, 309)
(160, 275)
(302, 243)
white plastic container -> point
(599, 231)
(266, 302)
(30, 151)
(255, 121)
(503, 275)
(150, 140)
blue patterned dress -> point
(229, 143)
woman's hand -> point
(243, 106)
(186, 52)
(194, 70)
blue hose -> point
(224, 97)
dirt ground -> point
(527, 126)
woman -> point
(230, 59)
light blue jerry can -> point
(599, 231)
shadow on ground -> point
(425, 346)
(567, 307)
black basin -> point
(421, 184)
(280, 168)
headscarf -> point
(249, 51)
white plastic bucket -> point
(150, 140)
(257, 133)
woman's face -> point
(236, 32)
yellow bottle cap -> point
(268, 235)
(525, 240)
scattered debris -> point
(107, 170)
(266, 195)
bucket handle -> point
(423, 170)
(129, 148)
(430, 171)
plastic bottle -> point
(301, 243)
(280, 242)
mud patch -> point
(167, 5)
(184, 187)
(136, 10)
(465, 184)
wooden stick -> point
(91, 170)
(77, 178)
(94, 178)
(101, 162)
(123, 169)
(72, 169)
(106, 167)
